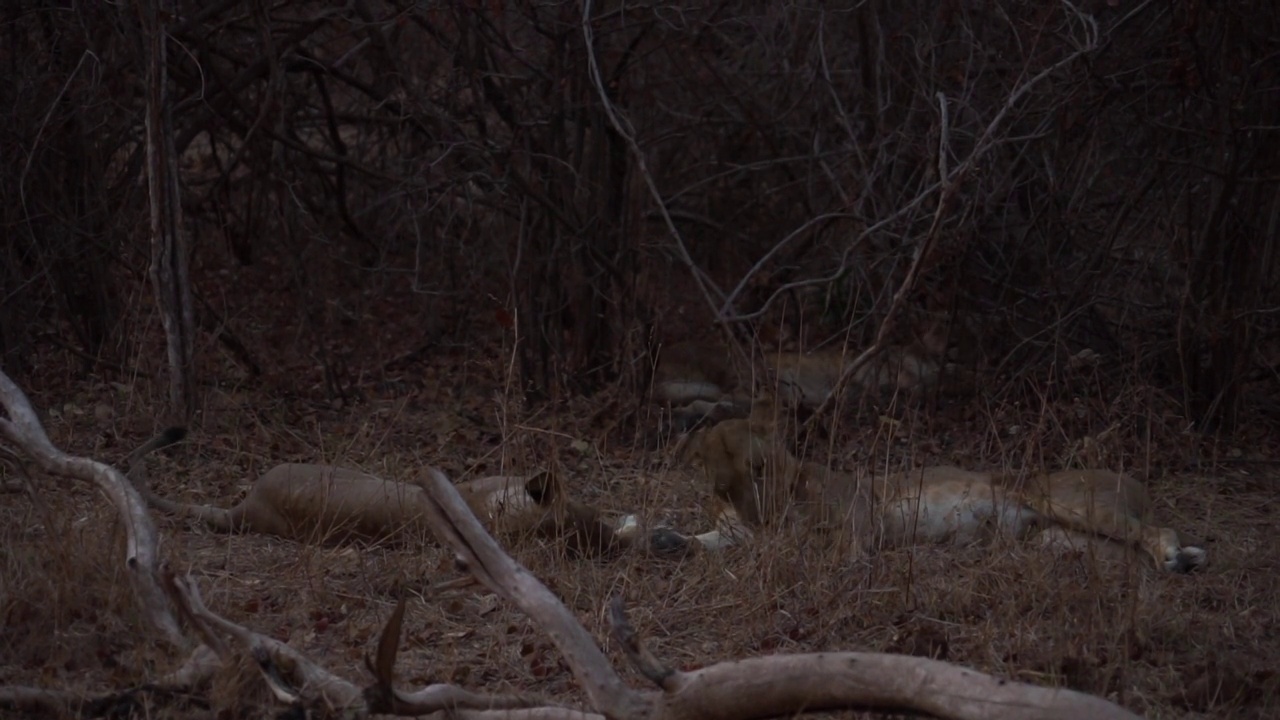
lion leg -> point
(584, 531)
(730, 531)
(1161, 543)
(1062, 541)
(1112, 505)
(1115, 523)
(662, 540)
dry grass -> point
(1163, 646)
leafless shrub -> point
(1058, 178)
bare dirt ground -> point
(1165, 646)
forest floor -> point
(1164, 646)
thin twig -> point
(705, 285)
(949, 184)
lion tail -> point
(215, 517)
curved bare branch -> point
(142, 544)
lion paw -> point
(665, 541)
(1187, 559)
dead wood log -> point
(297, 680)
(142, 544)
(753, 688)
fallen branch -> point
(784, 685)
(297, 680)
(457, 527)
(66, 704)
(142, 545)
(292, 677)
(124, 703)
(55, 703)
(317, 687)
(754, 688)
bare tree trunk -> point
(169, 254)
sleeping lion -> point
(756, 482)
(318, 503)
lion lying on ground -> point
(701, 384)
(319, 503)
(756, 483)
(698, 383)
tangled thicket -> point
(590, 175)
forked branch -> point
(297, 680)
(142, 553)
(754, 688)
(292, 677)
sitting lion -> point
(309, 502)
(756, 482)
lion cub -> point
(311, 502)
(756, 482)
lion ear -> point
(689, 445)
(543, 486)
(764, 412)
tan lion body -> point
(699, 382)
(309, 502)
(808, 378)
(692, 371)
(757, 483)
(313, 502)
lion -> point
(756, 483)
(701, 384)
(698, 382)
(806, 379)
(316, 502)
